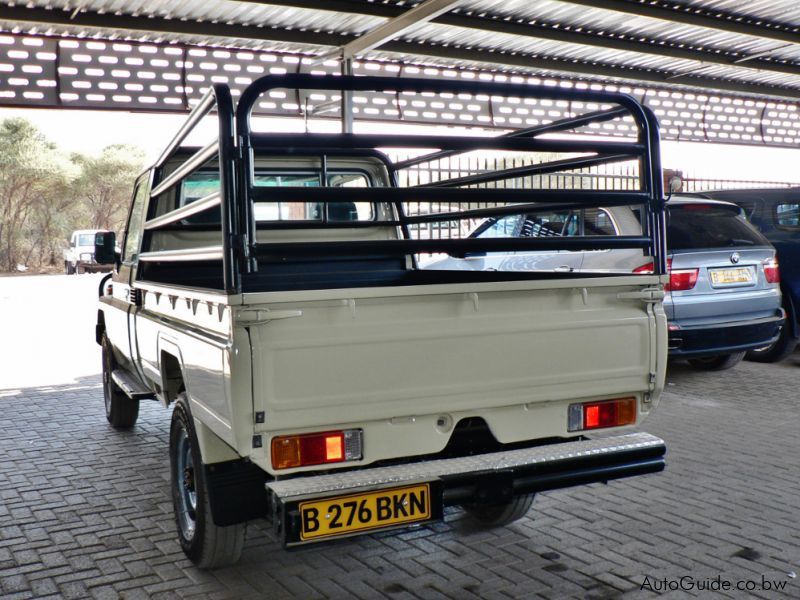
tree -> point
(32, 175)
(104, 184)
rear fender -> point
(791, 315)
(170, 365)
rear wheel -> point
(496, 515)
(121, 411)
(206, 544)
(720, 362)
(778, 350)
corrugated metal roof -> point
(684, 42)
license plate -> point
(739, 275)
(344, 515)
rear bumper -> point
(486, 478)
(725, 337)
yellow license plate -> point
(729, 276)
(363, 512)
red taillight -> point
(679, 279)
(303, 450)
(597, 415)
(771, 272)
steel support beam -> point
(498, 23)
(421, 13)
(654, 9)
(699, 17)
(347, 99)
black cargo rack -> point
(243, 259)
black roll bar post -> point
(218, 95)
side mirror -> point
(105, 248)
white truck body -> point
(346, 376)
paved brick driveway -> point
(85, 512)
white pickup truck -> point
(269, 290)
(79, 256)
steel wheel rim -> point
(187, 492)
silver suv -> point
(723, 297)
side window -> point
(598, 222)
(133, 232)
(505, 227)
(788, 215)
(749, 208)
(547, 224)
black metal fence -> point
(699, 184)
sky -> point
(90, 131)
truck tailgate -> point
(327, 357)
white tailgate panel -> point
(376, 358)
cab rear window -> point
(200, 184)
(699, 226)
(787, 215)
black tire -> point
(207, 545)
(719, 362)
(781, 348)
(121, 411)
(68, 268)
(496, 515)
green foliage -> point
(44, 194)
(104, 184)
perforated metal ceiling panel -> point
(713, 70)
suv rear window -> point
(699, 226)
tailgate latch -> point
(649, 295)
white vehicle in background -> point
(79, 257)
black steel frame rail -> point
(218, 96)
(599, 116)
(646, 149)
(377, 247)
(447, 194)
(236, 149)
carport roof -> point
(724, 45)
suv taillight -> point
(771, 272)
(679, 279)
